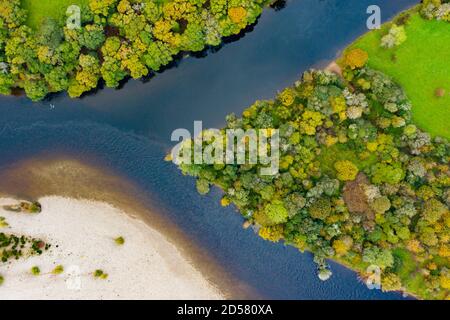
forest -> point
(359, 182)
(116, 40)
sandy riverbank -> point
(51, 175)
(147, 266)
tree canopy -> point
(357, 180)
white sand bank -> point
(147, 266)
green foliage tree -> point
(321, 208)
(50, 33)
(202, 186)
(92, 36)
(395, 37)
(380, 257)
(385, 173)
(36, 89)
(276, 212)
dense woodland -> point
(117, 39)
(358, 181)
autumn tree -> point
(355, 58)
(390, 282)
(87, 75)
(346, 170)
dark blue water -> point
(128, 131)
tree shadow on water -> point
(278, 5)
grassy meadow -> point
(41, 9)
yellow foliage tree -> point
(444, 279)
(340, 247)
(237, 14)
(101, 6)
(162, 30)
(356, 58)
(311, 120)
(338, 104)
(444, 251)
(372, 146)
(413, 245)
(224, 202)
(331, 140)
(287, 97)
(45, 54)
(346, 170)
(271, 233)
(124, 6)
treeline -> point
(117, 39)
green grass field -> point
(421, 65)
(40, 9)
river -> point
(128, 131)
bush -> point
(100, 274)
(58, 270)
(3, 223)
(119, 241)
(395, 37)
(35, 271)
